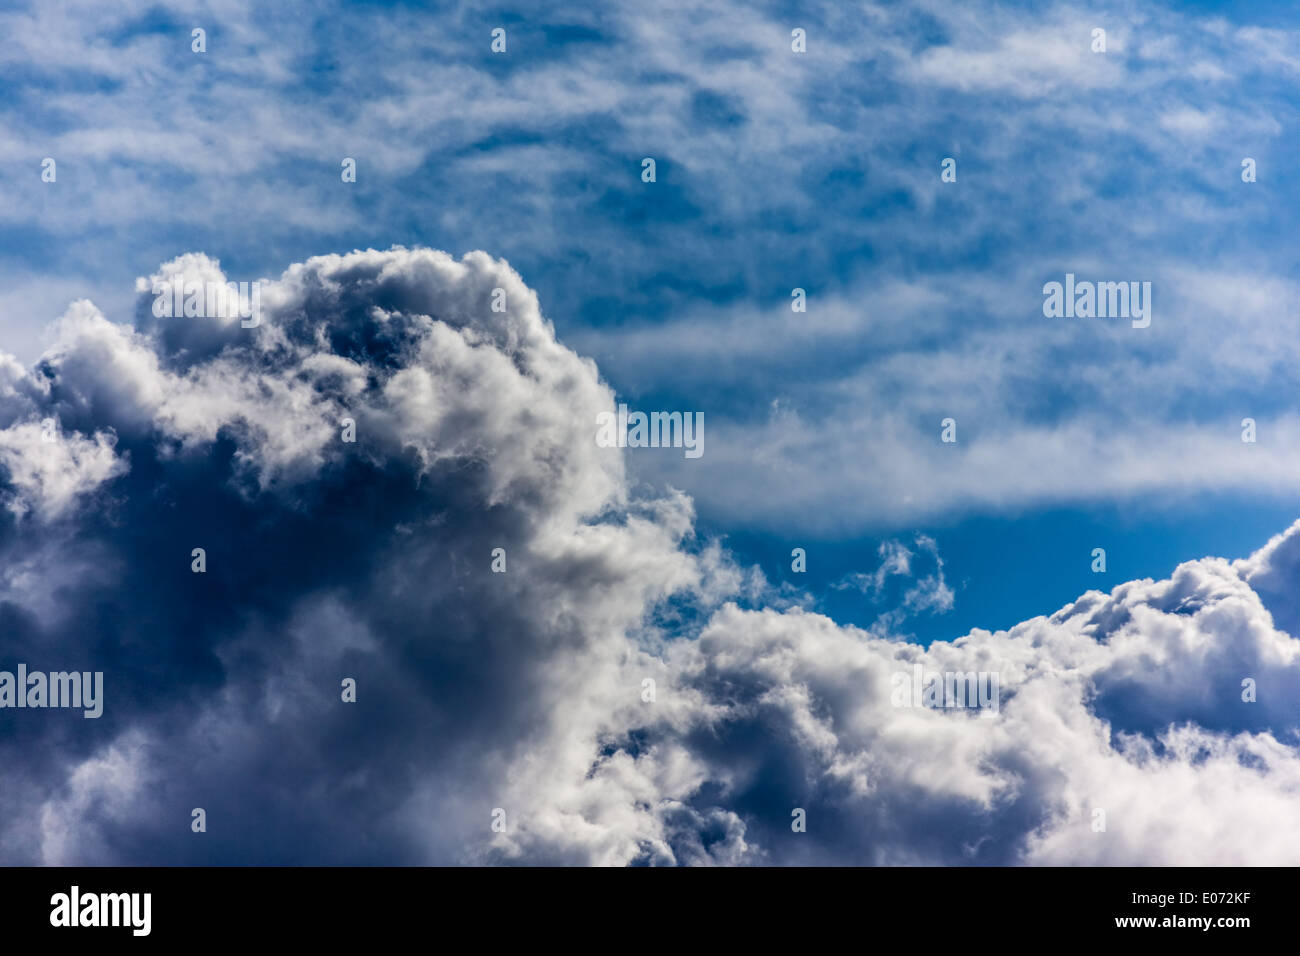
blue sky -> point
(775, 170)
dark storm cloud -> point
(525, 691)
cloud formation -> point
(776, 170)
(526, 691)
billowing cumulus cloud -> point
(529, 691)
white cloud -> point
(48, 478)
(1130, 702)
